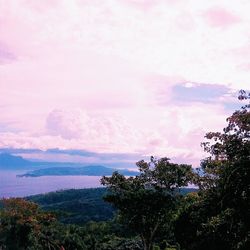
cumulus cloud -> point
(67, 124)
(176, 132)
(97, 131)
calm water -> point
(12, 186)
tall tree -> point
(148, 201)
(220, 219)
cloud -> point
(6, 56)
(106, 76)
(220, 17)
(160, 40)
(67, 124)
(98, 131)
(175, 132)
(142, 5)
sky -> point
(120, 78)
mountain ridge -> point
(45, 168)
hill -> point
(41, 168)
(76, 206)
(8, 161)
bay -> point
(12, 186)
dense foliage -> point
(24, 226)
(148, 202)
(76, 206)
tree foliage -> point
(22, 223)
(24, 226)
(220, 218)
(147, 202)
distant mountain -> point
(8, 161)
(37, 168)
(87, 170)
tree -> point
(148, 201)
(220, 219)
(22, 223)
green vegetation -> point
(219, 218)
(150, 212)
(79, 206)
(148, 202)
(76, 206)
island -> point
(91, 170)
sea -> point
(13, 186)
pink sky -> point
(120, 76)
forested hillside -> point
(76, 206)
